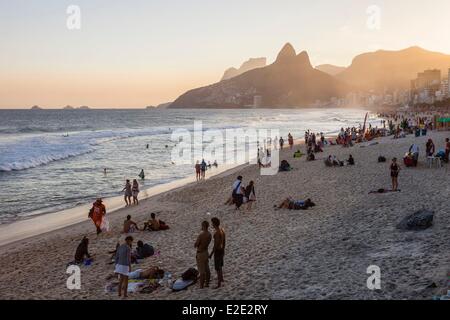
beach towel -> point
(381, 191)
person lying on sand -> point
(149, 273)
(129, 226)
(296, 205)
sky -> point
(131, 54)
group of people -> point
(203, 255)
(131, 191)
(241, 194)
(201, 167)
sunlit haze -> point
(131, 54)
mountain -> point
(248, 65)
(36, 108)
(290, 81)
(392, 69)
(330, 69)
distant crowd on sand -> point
(244, 195)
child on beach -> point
(123, 265)
(202, 244)
(218, 250)
(395, 170)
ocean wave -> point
(21, 153)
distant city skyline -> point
(134, 54)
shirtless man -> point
(153, 224)
(218, 250)
(202, 244)
(129, 225)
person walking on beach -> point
(202, 245)
(395, 170)
(197, 171)
(128, 193)
(290, 140)
(218, 250)
(97, 214)
(237, 194)
(135, 192)
(203, 169)
(250, 195)
(281, 143)
(123, 265)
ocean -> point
(51, 160)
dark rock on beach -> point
(420, 220)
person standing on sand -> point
(218, 250)
(123, 265)
(197, 171)
(237, 194)
(97, 214)
(250, 195)
(202, 244)
(281, 143)
(203, 169)
(128, 193)
(135, 192)
(395, 170)
(290, 140)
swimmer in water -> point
(142, 174)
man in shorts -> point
(202, 244)
(218, 250)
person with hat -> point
(97, 214)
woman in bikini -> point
(395, 170)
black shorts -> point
(218, 259)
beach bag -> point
(190, 274)
(381, 159)
(105, 225)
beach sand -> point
(322, 253)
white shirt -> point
(235, 185)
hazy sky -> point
(137, 53)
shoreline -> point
(48, 222)
(321, 253)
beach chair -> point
(434, 160)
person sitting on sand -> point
(296, 205)
(123, 265)
(143, 250)
(351, 160)
(153, 224)
(129, 226)
(82, 251)
(202, 257)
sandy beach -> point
(321, 253)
